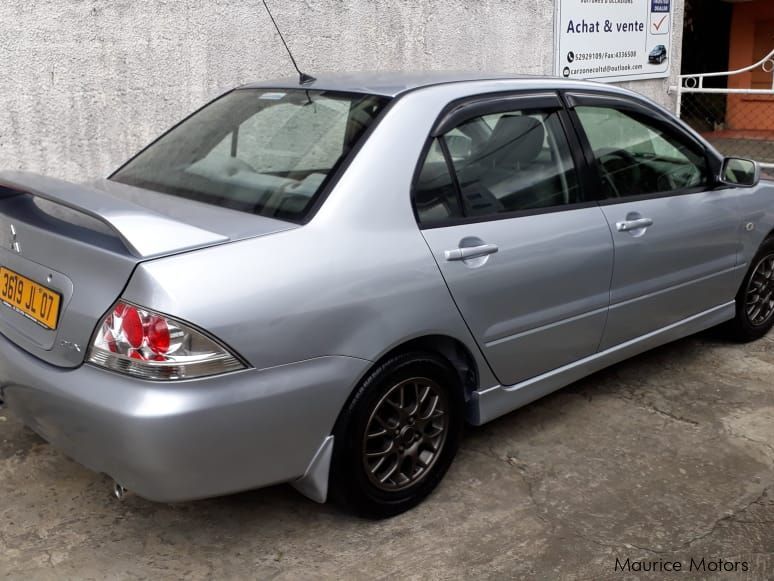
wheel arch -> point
(769, 236)
(322, 473)
(454, 351)
(451, 349)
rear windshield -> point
(263, 151)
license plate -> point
(29, 298)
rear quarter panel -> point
(306, 293)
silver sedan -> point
(321, 283)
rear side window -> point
(502, 163)
(268, 152)
(436, 198)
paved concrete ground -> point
(665, 457)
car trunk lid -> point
(83, 243)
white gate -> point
(735, 125)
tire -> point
(749, 325)
(395, 468)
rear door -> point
(676, 236)
(527, 258)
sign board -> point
(613, 40)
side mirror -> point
(740, 172)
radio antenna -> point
(303, 78)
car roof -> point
(392, 84)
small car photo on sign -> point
(658, 55)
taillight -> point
(137, 341)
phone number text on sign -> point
(591, 56)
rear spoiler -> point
(145, 233)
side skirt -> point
(493, 402)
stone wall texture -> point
(86, 83)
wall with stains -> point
(85, 83)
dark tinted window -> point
(635, 156)
(521, 161)
(504, 162)
(435, 194)
(262, 151)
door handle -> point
(470, 252)
(629, 225)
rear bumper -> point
(182, 440)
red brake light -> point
(141, 342)
(132, 327)
(158, 334)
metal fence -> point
(738, 118)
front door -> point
(676, 239)
(526, 258)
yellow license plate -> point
(29, 298)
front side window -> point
(635, 156)
(268, 152)
(501, 163)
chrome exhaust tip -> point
(119, 491)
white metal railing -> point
(694, 83)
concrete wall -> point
(85, 83)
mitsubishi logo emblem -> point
(14, 243)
